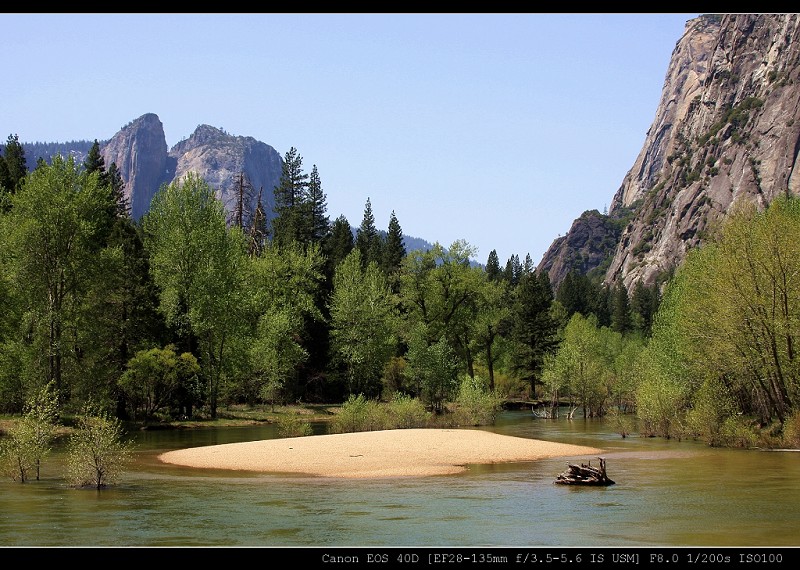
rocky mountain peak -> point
(140, 151)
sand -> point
(375, 454)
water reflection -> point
(668, 493)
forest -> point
(193, 308)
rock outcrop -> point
(219, 158)
(140, 152)
(589, 243)
(727, 129)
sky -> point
(498, 129)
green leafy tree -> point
(432, 368)
(53, 232)
(363, 321)
(284, 285)
(159, 378)
(198, 262)
(97, 451)
(29, 440)
(491, 323)
(583, 365)
(441, 291)
(737, 311)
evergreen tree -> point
(644, 304)
(317, 206)
(290, 198)
(493, 271)
(528, 266)
(513, 270)
(395, 249)
(13, 169)
(339, 245)
(117, 206)
(368, 240)
(533, 328)
(94, 161)
(114, 178)
(620, 309)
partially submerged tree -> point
(29, 440)
(97, 451)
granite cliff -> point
(727, 129)
(140, 151)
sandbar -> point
(374, 454)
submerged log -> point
(584, 474)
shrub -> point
(406, 412)
(475, 404)
(359, 414)
(791, 430)
(292, 425)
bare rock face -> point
(590, 241)
(219, 158)
(140, 151)
(727, 129)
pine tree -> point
(319, 224)
(13, 168)
(117, 207)
(513, 270)
(290, 197)
(620, 310)
(339, 245)
(368, 240)
(395, 249)
(493, 271)
(114, 177)
(528, 266)
(533, 328)
(94, 161)
(644, 304)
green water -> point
(667, 493)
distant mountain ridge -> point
(140, 152)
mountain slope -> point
(727, 129)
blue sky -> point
(497, 129)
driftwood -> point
(585, 474)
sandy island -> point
(389, 453)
